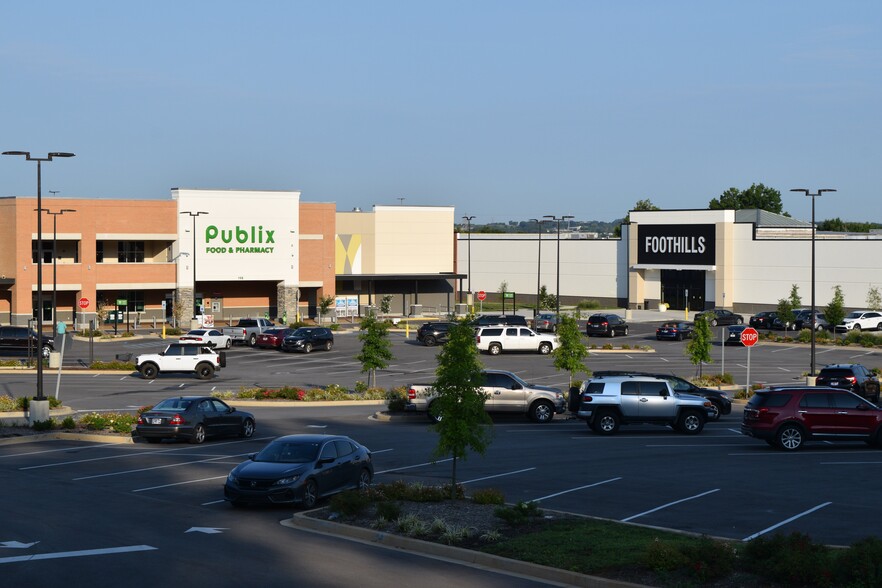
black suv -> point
(305, 339)
(20, 338)
(490, 320)
(721, 403)
(430, 334)
(850, 376)
(606, 324)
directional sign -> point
(482, 296)
(83, 303)
(749, 337)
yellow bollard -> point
(406, 329)
(163, 330)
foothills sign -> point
(676, 244)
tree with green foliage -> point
(324, 305)
(785, 312)
(571, 353)
(376, 349)
(546, 300)
(874, 299)
(386, 304)
(645, 204)
(757, 196)
(840, 226)
(464, 424)
(835, 311)
(795, 299)
(699, 347)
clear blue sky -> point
(504, 109)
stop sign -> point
(482, 296)
(83, 303)
(749, 337)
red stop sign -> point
(482, 296)
(749, 337)
(83, 303)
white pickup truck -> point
(505, 393)
(247, 330)
(201, 360)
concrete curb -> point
(450, 553)
(61, 436)
(20, 418)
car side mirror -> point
(251, 456)
(663, 393)
(516, 386)
(323, 461)
(230, 409)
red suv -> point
(786, 417)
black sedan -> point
(305, 339)
(606, 324)
(194, 418)
(676, 331)
(300, 469)
(733, 335)
(721, 317)
(430, 334)
(765, 320)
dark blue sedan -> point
(676, 331)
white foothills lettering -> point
(675, 245)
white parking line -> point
(782, 523)
(851, 462)
(212, 502)
(62, 449)
(162, 467)
(179, 483)
(637, 516)
(83, 553)
(419, 465)
(783, 369)
(498, 476)
(576, 489)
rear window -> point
(769, 400)
(835, 373)
(594, 388)
(173, 404)
(597, 318)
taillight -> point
(851, 379)
(605, 324)
(176, 420)
(140, 420)
(586, 398)
(411, 393)
(477, 338)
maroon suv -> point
(787, 417)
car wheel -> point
(229, 344)
(691, 422)
(789, 438)
(247, 429)
(679, 336)
(153, 439)
(857, 328)
(713, 323)
(741, 322)
(612, 332)
(625, 332)
(252, 340)
(307, 347)
(310, 494)
(198, 434)
(149, 371)
(657, 338)
(435, 418)
(545, 348)
(364, 480)
(606, 423)
(429, 341)
(715, 412)
(329, 345)
(541, 412)
(204, 371)
(494, 349)
(879, 327)
(45, 351)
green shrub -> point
(589, 304)
(350, 503)
(24, 402)
(791, 559)
(116, 364)
(710, 559)
(625, 346)
(608, 346)
(8, 404)
(68, 423)
(127, 334)
(335, 327)
(88, 333)
(519, 513)
(488, 496)
(388, 510)
(860, 564)
(414, 492)
(665, 556)
(361, 386)
(714, 380)
(46, 425)
(114, 421)
(396, 399)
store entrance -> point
(676, 285)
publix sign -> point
(239, 239)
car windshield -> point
(197, 332)
(301, 332)
(173, 404)
(289, 452)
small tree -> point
(376, 349)
(835, 311)
(874, 299)
(386, 304)
(785, 312)
(571, 353)
(795, 299)
(699, 347)
(546, 300)
(463, 425)
(325, 303)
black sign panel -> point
(676, 244)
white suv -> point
(495, 340)
(201, 360)
(861, 320)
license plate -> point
(155, 421)
(834, 382)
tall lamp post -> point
(55, 216)
(812, 320)
(538, 265)
(194, 215)
(558, 220)
(39, 160)
(468, 220)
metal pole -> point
(194, 215)
(557, 288)
(538, 267)
(468, 220)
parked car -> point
(300, 469)
(210, 337)
(803, 321)
(676, 331)
(201, 360)
(305, 339)
(486, 320)
(608, 325)
(545, 322)
(720, 317)
(430, 334)
(733, 335)
(194, 418)
(850, 376)
(272, 338)
(495, 340)
(861, 320)
(721, 404)
(765, 320)
(787, 417)
(19, 338)
(247, 329)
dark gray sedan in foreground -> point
(300, 469)
(193, 418)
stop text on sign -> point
(749, 337)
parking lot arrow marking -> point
(17, 544)
(206, 530)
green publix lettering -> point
(252, 235)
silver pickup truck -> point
(247, 330)
(505, 393)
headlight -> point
(286, 481)
(231, 478)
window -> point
(814, 401)
(653, 389)
(47, 251)
(511, 332)
(174, 351)
(344, 448)
(329, 451)
(130, 252)
(629, 388)
(135, 300)
(219, 406)
(846, 400)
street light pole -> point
(55, 216)
(558, 220)
(39, 160)
(538, 265)
(468, 220)
(812, 319)
(194, 215)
